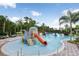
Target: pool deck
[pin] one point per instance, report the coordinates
(4, 41)
(69, 50)
(1, 44)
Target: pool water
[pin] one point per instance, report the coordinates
(15, 48)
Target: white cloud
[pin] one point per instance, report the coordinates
(14, 19)
(6, 5)
(55, 23)
(72, 10)
(65, 12)
(76, 10)
(35, 13)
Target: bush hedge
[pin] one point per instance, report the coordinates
(3, 33)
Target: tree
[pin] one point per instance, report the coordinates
(20, 24)
(69, 18)
(77, 27)
(2, 23)
(29, 22)
(10, 27)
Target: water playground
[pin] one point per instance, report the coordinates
(33, 43)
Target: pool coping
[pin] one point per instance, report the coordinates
(2, 54)
(2, 46)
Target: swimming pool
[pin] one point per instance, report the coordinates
(18, 48)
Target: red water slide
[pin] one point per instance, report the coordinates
(40, 39)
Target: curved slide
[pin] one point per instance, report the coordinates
(40, 39)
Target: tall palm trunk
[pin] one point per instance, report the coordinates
(4, 27)
(15, 29)
(21, 28)
(70, 30)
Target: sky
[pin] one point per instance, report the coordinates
(48, 13)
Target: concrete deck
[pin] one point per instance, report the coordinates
(4, 41)
(69, 50)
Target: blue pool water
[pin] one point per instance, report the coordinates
(18, 48)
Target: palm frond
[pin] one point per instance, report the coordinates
(63, 19)
(61, 22)
(69, 13)
(75, 17)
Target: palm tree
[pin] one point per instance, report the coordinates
(29, 22)
(69, 18)
(27, 19)
(4, 27)
(20, 23)
(2, 21)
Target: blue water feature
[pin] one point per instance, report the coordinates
(54, 43)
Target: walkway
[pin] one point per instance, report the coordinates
(4, 41)
(69, 50)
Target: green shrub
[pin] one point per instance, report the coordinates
(22, 40)
(74, 41)
(3, 33)
(19, 33)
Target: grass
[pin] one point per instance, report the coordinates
(74, 41)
